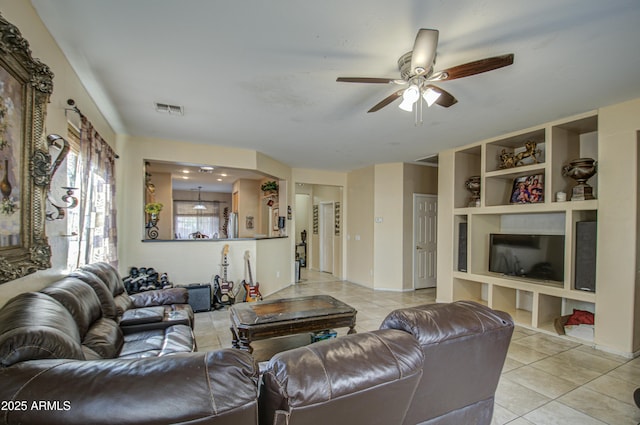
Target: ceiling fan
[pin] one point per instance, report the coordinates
(417, 71)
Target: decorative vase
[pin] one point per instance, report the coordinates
(473, 185)
(5, 186)
(152, 226)
(581, 170)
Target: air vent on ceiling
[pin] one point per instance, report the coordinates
(169, 109)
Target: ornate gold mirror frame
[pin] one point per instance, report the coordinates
(25, 163)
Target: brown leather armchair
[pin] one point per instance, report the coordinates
(360, 379)
(465, 345)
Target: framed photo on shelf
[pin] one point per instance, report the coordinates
(528, 189)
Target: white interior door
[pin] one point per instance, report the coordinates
(325, 231)
(425, 214)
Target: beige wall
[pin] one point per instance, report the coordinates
(388, 226)
(65, 86)
(249, 204)
(617, 302)
(416, 179)
(444, 292)
(395, 184)
(323, 177)
(380, 202)
(360, 234)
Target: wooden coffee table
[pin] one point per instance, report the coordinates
(288, 316)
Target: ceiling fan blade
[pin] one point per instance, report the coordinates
(387, 100)
(365, 80)
(446, 99)
(424, 51)
(473, 68)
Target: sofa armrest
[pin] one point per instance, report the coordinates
(160, 297)
(172, 389)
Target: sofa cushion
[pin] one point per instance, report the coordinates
(123, 303)
(161, 297)
(107, 303)
(35, 326)
(110, 276)
(158, 342)
(79, 298)
(104, 338)
(137, 316)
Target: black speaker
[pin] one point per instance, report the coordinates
(199, 297)
(462, 247)
(586, 245)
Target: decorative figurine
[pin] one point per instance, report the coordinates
(510, 160)
(473, 185)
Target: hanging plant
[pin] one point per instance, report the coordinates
(153, 208)
(270, 186)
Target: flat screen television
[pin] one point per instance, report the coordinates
(528, 256)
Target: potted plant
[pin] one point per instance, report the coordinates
(269, 187)
(153, 208)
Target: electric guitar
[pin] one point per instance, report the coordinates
(223, 287)
(252, 289)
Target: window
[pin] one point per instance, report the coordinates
(92, 224)
(190, 223)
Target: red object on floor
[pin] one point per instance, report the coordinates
(581, 317)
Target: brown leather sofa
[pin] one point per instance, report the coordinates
(146, 310)
(465, 345)
(64, 361)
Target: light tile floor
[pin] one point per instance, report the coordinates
(546, 379)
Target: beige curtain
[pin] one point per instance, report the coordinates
(97, 230)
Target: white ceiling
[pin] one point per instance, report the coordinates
(261, 74)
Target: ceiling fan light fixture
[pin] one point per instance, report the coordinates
(409, 97)
(430, 96)
(406, 105)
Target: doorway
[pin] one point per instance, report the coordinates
(425, 214)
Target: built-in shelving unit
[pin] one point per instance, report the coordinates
(532, 303)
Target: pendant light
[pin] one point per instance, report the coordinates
(199, 205)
